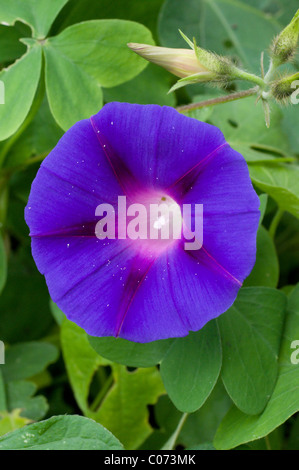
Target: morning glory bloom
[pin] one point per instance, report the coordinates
(143, 288)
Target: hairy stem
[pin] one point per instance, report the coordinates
(250, 77)
(270, 72)
(221, 99)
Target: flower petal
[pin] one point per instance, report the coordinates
(70, 184)
(230, 211)
(114, 287)
(179, 294)
(155, 144)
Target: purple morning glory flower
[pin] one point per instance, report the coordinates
(142, 290)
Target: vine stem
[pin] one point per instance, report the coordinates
(271, 70)
(221, 99)
(170, 444)
(250, 77)
(274, 224)
(102, 393)
(268, 445)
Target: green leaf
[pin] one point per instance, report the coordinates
(243, 125)
(263, 206)
(99, 47)
(266, 269)
(25, 293)
(290, 123)
(191, 367)
(145, 13)
(80, 359)
(238, 428)
(3, 264)
(281, 182)
(202, 114)
(123, 406)
(20, 396)
(61, 433)
(124, 410)
(206, 446)
(223, 26)
(250, 332)
(195, 373)
(20, 84)
(38, 139)
(200, 426)
(129, 353)
(58, 315)
(38, 14)
(24, 360)
(3, 401)
(11, 47)
(85, 57)
(150, 87)
(286, 10)
(11, 421)
(73, 95)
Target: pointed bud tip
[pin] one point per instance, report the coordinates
(136, 46)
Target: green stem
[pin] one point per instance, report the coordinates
(267, 112)
(170, 444)
(221, 99)
(268, 445)
(32, 113)
(250, 77)
(274, 224)
(102, 393)
(270, 72)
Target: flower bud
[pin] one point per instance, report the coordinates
(180, 62)
(284, 45)
(283, 88)
(191, 65)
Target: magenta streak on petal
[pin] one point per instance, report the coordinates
(183, 320)
(135, 278)
(213, 261)
(75, 185)
(93, 272)
(185, 182)
(86, 230)
(123, 175)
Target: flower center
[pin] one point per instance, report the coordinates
(158, 223)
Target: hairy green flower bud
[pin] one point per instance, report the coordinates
(284, 45)
(193, 65)
(283, 88)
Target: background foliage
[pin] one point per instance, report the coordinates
(230, 385)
